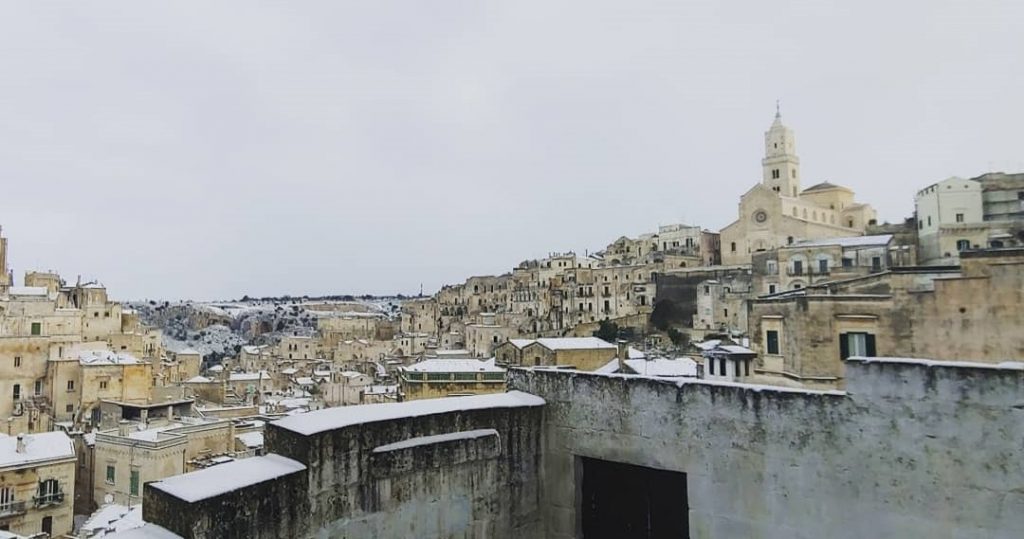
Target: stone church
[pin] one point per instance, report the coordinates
(776, 212)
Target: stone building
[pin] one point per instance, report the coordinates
(958, 214)
(569, 454)
(583, 353)
(483, 336)
(127, 457)
(433, 378)
(816, 261)
(944, 313)
(37, 483)
(776, 212)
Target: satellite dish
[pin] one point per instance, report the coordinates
(109, 498)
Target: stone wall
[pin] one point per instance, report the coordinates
(358, 484)
(910, 449)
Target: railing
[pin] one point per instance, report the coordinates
(11, 508)
(52, 498)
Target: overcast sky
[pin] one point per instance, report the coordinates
(215, 149)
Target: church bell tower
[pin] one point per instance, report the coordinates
(781, 166)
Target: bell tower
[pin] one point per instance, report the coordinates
(781, 166)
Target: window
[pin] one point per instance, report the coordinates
(929, 220)
(823, 266)
(71, 385)
(103, 384)
(847, 262)
(772, 267)
(133, 483)
(49, 492)
(963, 245)
(17, 361)
(707, 290)
(733, 246)
(47, 526)
(69, 408)
(17, 391)
(771, 289)
(746, 368)
(38, 389)
(37, 328)
(775, 174)
(771, 339)
(876, 263)
(7, 499)
(959, 217)
(721, 366)
(798, 267)
(856, 344)
(711, 366)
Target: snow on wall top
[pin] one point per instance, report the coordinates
(224, 478)
(853, 241)
(28, 291)
(435, 439)
(1005, 365)
(683, 366)
(346, 416)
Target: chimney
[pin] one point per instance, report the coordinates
(122, 428)
(623, 354)
(20, 448)
(170, 412)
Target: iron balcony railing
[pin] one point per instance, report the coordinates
(50, 498)
(8, 509)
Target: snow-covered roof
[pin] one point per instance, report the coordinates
(611, 367)
(251, 439)
(106, 357)
(198, 380)
(254, 350)
(454, 365)
(345, 416)
(708, 345)
(289, 371)
(351, 374)
(633, 353)
(112, 518)
(248, 376)
(575, 343)
(683, 366)
(189, 351)
(28, 291)
(147, 531)
(217, 480)
(39, 448)
(520, 343)
(736, 349)
(216, 368)
(304, 381)
(853, 241)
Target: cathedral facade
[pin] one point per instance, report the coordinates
(776, 212)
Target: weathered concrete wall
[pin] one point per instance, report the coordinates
(484, 487)
(479, 486)
(909, 450)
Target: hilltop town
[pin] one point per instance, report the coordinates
(805, 319)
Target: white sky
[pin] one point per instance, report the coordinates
(215, 149)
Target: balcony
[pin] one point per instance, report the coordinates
(48, 499)
(10, 509)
